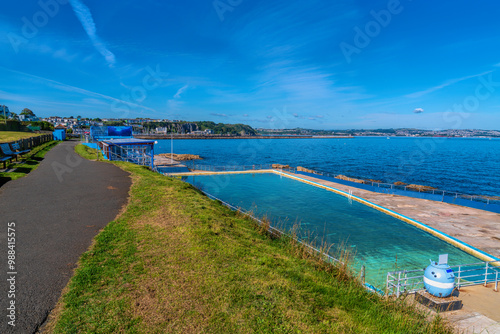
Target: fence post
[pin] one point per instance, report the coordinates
(399, 279)
(459, 272)
(486, 275)
(387, 284)
(406, 280)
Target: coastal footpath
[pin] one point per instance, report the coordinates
(54, 213)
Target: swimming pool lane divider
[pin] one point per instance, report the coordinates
(441, 235)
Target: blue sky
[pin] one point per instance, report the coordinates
(272, 64)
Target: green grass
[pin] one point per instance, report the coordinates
(8, 136)
(88, 153)
(30, 162)
(177, 262)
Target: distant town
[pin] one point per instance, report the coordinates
(147, 126)
(405, 132)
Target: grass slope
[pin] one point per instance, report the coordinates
(178, 262)
(30, 162)
(88, 153)
(8, 136)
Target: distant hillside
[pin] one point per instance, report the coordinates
(221, 128)
(188, 127)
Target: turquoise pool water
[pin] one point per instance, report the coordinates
(379, 241)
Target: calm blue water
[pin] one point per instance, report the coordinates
(464, 165)
(379, 241)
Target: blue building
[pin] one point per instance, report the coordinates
(59, 132)
(137, 151)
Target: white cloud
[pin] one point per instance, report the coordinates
(443, 85)
(218, 114)
(85, 17)
(180, 91)
(72, 89)
(418, 110)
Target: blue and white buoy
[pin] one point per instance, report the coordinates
(439, 279)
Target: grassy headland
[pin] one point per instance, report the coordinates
(177, 262)
(31, 161)
(8, 136)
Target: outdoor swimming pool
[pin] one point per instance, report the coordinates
(379, 241)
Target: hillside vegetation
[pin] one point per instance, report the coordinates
(217, 128)
(177, 262)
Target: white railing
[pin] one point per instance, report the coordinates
(410, 281)
(439, 192)
(137, 157)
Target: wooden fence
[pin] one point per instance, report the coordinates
(29, 143)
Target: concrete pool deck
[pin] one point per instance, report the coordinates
(479, 313)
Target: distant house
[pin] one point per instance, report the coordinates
(28, 118)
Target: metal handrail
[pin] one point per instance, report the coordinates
(485, 272)
(223, 168)
(140, 159)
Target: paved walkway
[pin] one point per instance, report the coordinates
(57, 210)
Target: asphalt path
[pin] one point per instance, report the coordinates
(53, 214)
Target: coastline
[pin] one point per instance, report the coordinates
(161, 136)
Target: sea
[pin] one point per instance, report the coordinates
(463, 165)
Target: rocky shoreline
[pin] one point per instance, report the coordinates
(180, 157)
(418, 187)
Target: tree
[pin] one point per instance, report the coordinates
(27, 112)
